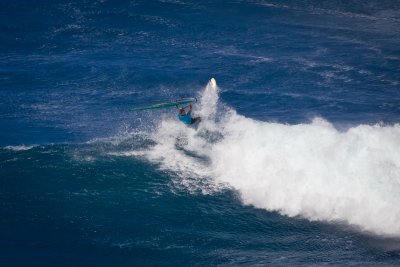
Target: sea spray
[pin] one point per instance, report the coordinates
(208, 101)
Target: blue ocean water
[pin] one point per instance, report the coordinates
(296, 161)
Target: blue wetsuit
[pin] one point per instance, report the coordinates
(186, 119)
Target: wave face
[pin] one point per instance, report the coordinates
(309, 170)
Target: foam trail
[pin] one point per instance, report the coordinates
(309, 170)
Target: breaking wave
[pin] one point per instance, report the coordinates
(309, 170)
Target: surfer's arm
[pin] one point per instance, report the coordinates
(190, 109)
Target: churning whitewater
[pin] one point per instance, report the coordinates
(309, 170)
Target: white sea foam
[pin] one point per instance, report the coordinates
(310, 170)
(19, 148)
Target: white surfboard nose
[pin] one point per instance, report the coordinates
(213, 83)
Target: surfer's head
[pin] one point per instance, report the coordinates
(182, 111)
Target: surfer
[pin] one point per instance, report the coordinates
(186, 117)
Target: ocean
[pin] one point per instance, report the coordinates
(296, 161)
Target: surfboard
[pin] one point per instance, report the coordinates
(168, 104)
(213, 83)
